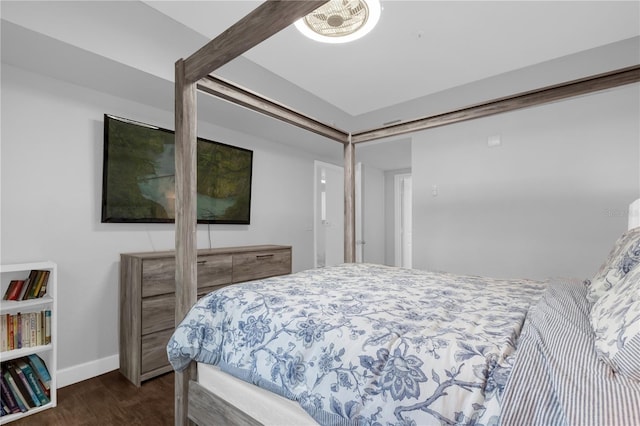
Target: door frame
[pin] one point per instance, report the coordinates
(359, 206)
(399, 204)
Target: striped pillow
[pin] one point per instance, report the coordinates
(615, 318)
(624, 256)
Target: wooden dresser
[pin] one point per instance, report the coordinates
(147, 297)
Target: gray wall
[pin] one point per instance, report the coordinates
(390, 213)
(550, 201)
(374, 213)
(51, 186)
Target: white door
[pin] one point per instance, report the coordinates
(360, 242)
(406, 223)
(328, 224)
(403, 220)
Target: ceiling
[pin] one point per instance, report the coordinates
(424, 57)
(422, 47)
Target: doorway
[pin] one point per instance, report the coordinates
(403, 220)
(328, 222)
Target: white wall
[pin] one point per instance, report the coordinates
(389, 214)
(51, 183)
(549, 202)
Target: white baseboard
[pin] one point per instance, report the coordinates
(77, 373)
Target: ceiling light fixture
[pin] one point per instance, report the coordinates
(340, 21)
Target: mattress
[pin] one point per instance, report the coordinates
(267, 407)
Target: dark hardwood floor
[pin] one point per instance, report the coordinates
(109, 399)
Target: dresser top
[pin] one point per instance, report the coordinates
(211, 251)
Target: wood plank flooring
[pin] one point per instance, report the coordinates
(109, 400)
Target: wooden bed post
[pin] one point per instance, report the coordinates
(186, 245)
(349, 202)
(268, 19)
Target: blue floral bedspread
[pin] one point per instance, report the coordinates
(366, 344)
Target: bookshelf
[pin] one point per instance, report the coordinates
(46, 351)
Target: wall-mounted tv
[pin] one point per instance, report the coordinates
(138, 181)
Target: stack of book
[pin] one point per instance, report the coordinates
(24, 330)
(32, 287)
(25, 384)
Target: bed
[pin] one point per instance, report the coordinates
(364, 344)
(193, 75)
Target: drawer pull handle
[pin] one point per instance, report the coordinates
(201, 262)
(264, 256)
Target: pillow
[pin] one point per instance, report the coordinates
(624, 256)
(615, 319)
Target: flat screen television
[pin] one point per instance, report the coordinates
(138, 181)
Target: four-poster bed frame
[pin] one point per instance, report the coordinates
(193, 74)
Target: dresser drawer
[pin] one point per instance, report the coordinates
(159, 275)
(214, 270)
(159, 312)
(255, 265)
(154, 350)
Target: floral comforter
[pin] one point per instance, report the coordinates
(366, 344)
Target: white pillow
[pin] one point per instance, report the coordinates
(624, 256)
(615, 319)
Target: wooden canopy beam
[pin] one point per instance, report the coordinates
(231, 92)
(510, 103)
(269, 18)
(256, 102)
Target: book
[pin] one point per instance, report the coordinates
(4, 334)
(18, 321)
(36, 282)
(11, 342)
(10, 289)
(14, 290)
(24, 288)
(8, 397)
(16, 336)
(33, 381)
(33, 324)
(40, 327)
(40, 368)
(47, 327)
(26, 330)
(32, 281)
(22, 402)
(43, 288)
(42, 277)
(22, 385)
